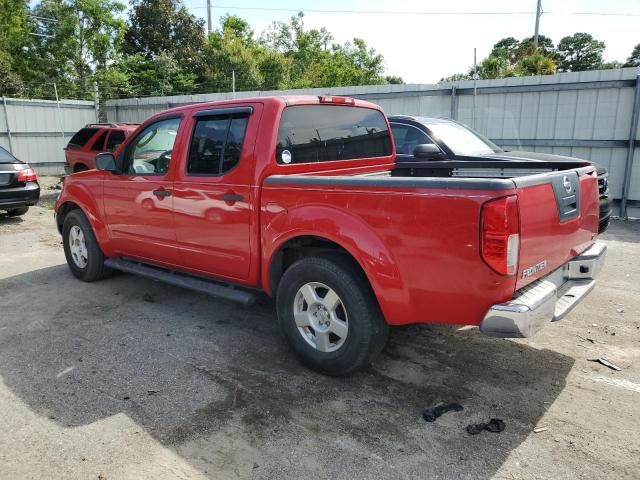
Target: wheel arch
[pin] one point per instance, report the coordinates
(349, 236)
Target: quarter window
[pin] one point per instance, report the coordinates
(82, 137)
(216, 144)
(150, 152)
(324, 133)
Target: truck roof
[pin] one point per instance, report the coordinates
(285, 100)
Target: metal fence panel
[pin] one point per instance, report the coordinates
(37, 130)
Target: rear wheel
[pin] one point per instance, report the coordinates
(16, 212)
(330, 316)
(81, 249)
(80, 167)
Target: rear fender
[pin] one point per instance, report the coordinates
(351, 233)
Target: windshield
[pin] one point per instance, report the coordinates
(6, 157)
(462, 140)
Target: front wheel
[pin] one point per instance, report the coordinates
(81, 249)
(330, 316)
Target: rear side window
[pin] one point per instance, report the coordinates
(324, 133)
(407, 137)
(115, 139)
(82, 137)
(216, 144)
(99, 143)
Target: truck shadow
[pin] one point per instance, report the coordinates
(194, 372)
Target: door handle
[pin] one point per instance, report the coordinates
(232, 197)
(162, 193)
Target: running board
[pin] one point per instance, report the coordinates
(179, 280)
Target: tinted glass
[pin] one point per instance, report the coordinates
(321, 133)
(99, 143)
(462, 140)
(407, 137)
(115, 139)
(216, 145)
(82, 137)
(150, 151)
(6, 156)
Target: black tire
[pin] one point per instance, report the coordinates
(94, 268)
(16, 212)
(367, 329)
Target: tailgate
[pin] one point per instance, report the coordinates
(558, 220)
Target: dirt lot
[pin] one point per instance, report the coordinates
(128, 378)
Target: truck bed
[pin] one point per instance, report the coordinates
(429, 230)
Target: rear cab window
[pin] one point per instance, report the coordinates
(325, 133)
(81, 138)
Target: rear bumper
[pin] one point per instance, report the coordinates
(19, 196)
(548, 299)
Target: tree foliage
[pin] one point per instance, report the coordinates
(580, 52)
(634, 58)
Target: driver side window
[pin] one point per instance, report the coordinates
(407, 137)
(150, 152)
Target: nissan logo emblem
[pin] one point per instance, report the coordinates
(567, 184)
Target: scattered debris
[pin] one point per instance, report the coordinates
(606, 363)
(540, 429)
(152, 392)
(148, 298)
(431, 414)
(620, 310)
(126, 398)
(102, 476)
(586, 339)
(494, 425)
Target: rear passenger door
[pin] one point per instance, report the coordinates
(214, 192)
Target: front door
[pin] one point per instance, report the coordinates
(213, 193)
(138, 202)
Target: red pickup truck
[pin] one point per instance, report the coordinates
(295, 196)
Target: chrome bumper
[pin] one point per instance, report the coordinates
(548, 299)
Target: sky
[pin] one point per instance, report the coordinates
(423, 48)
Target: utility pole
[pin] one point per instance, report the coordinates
(96, 101)
(538, 14)
(209, 28)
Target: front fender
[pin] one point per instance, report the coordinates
(351, 233)
(85, 195)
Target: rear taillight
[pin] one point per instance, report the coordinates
(500, 235)
(27, 175)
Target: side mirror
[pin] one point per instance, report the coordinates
(106, 162)
(428, 151)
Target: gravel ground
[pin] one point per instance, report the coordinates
(129, 378)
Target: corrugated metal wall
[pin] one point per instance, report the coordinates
(37, 130)
(583, 114)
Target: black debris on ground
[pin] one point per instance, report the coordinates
(431, 414)
(494, 425)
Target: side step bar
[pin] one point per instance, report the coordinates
(179, 280)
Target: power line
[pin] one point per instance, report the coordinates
(399, 12)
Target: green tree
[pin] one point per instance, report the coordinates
(536, 64)
(580, 52)
(317, 62)
(634, 58)
(14, 38)
(81, 40)
(495, 67)
(166, 26)
(394, 80)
